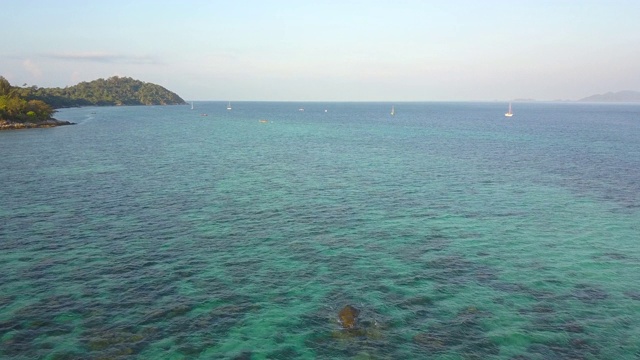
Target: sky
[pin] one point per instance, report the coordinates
(342, 50)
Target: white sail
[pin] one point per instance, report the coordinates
(509, 113)
(393, 110)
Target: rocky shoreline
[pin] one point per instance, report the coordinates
(11, 125)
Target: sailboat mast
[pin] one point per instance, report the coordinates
(509, 113)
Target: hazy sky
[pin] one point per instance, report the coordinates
(370, 50)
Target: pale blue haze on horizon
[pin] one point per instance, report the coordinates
(330, 50)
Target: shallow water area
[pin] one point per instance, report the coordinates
(155, 232)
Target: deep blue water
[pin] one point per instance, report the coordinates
(156, 232)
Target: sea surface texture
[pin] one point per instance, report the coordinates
(456, 233)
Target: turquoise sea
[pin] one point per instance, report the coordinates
(159, 233)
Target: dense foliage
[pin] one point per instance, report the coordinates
(112, 91)
(25, 106)
(15, 107)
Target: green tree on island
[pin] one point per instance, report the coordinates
(13, 107)
(5, 87)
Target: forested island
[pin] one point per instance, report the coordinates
(27, 107)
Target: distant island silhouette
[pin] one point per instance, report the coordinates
(620, 96)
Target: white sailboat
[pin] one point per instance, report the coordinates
(393, 110)
(229, 106)
(192, 105)
(509, 113)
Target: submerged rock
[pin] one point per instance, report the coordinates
(348, 316)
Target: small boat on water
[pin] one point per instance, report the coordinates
(509, 113)
(229, 106)
(393, 111)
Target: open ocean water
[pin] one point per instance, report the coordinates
(158, 233)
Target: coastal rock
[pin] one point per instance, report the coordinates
(348, 316)
(10, 125)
